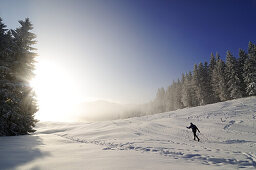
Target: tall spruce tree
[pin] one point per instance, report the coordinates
(193, 90)
(8, 92)
(202, 84)
(25, 55)
(18, 103)
(250, 70)
(241, 65)
(169, 99)
(209, 97)
(4, 76)
(184, 96)
(196, 86)
(160, 100)
(212, 63)
(187, 91)
(219, 80)
(179, 104)
(176, 95)
(214, 97)
(6, 45)
(232, 76)
(173, 95)
(2, 38)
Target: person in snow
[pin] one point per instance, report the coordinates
(194, 129)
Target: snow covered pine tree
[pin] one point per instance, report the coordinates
(17, 99)
(250, 70)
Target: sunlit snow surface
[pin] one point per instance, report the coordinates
(160, 141)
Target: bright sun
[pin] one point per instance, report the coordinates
(56, 92)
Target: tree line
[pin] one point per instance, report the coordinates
(17, 99)
(211, 83)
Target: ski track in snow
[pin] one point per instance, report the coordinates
(228, 138)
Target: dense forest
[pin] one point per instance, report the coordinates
(210, 83)
(17, 99)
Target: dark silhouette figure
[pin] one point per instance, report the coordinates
(194, 128)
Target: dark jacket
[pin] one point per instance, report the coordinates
(193, 127)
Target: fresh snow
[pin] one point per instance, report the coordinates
(160, 141)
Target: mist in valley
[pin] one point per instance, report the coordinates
(101, 110)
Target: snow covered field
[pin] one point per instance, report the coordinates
(160, 141)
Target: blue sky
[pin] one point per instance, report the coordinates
(123, 51)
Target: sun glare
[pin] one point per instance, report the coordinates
(56, 92)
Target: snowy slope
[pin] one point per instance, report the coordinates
(160, 141)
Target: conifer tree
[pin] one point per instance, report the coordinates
(4, 73)
(173, 95)
(184, 96)
(232, 76)
(179, 104)
(211, 67)
(193, 90)
(202, 86)
(209, 97)
(2, 36)
(187, 91)
(196, 86)
(250, 70)
(176, 103)
(17, 99)
(25, 55)
(5, 45)
(241, 62)
(212, 63)
(219, 81)
(169, 99)
(160, 100)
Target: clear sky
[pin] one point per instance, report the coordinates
(123, 51)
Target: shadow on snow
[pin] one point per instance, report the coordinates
(18, 150)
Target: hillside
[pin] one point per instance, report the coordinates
(228, 141)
